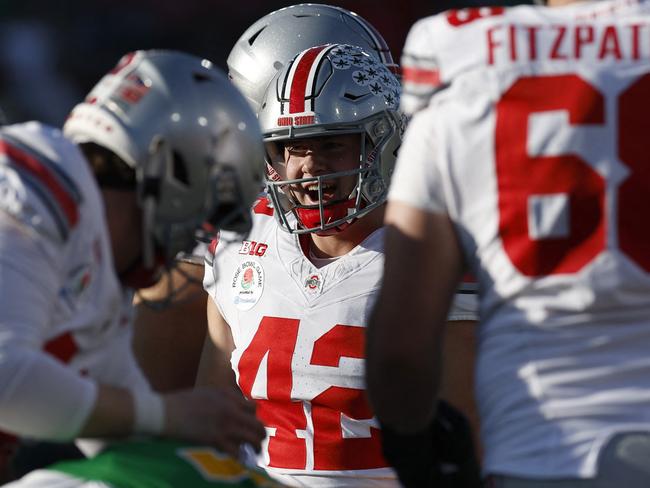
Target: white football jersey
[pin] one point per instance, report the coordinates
(299, 334)
(535, 145)
(58, 289)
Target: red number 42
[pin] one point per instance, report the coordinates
(568, 174)
(276, 339)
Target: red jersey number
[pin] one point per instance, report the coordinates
(633, 106)
(569, 175)
(276, 339)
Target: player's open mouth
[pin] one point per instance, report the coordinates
(310, 191)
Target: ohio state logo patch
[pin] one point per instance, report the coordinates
(314, 283)
(247, 284)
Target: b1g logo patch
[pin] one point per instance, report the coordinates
(247, 284)
(253, 248)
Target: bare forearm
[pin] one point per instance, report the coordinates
(457, 381)
(167, 342)
(112, 414)
(44, 399)
(406, 328)
(404, 350)
(402, 373)
(214, 367)
(40, 397)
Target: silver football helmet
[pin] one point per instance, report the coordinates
(334, 89)
(191, 138)
(271, 42)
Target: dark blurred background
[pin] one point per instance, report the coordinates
(52, 53)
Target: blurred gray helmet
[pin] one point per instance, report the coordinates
(329, 90)
(192, 139)
(271, 42)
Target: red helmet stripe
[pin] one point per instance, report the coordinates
(299, 83)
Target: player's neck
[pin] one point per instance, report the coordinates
(343, 242)
(124, 227)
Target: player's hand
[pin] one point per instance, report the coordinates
(442, 456)
(220, 417)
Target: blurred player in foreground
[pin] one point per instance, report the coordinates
(532, 169)
(166, 148)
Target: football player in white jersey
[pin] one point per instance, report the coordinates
(165, 147)
(529, 165)
(168, 341)
(290, 302)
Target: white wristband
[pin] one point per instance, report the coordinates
(148, 411)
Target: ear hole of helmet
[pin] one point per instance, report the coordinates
(179, 169)
(110, 170)
(251, 39)
(274, 152)
(354, 97)
(229, 213)
(200, 77)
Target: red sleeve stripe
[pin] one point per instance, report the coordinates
(421, 76)
(63, 347)
(212, 248)
(263, 206)
(37, 169)
(61, 176)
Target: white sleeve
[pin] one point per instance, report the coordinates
(416, 179)
(211, 275)
(209, 279)
(419, 63)
(39, 396)
(216, 261)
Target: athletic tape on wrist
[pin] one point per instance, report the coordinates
(149, 412)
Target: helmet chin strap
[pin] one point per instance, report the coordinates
(173, 291)
(335, 230)
(137, 275)
(315, 218)
(149, 185)
(148, 213)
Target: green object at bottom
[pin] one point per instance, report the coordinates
(164, 464)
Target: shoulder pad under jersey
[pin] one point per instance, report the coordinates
(35, 186)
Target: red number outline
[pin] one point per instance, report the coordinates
(276, 339)
(570, 175)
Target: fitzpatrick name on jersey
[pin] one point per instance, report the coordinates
(435, 53)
